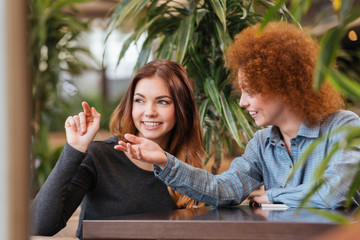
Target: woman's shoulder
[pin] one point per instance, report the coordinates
(342, 117)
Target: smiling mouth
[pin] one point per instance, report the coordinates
(152, 124)
(253, 114)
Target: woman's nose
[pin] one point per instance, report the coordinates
(150, 111)
(243, 101)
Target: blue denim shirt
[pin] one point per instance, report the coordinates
(267, 162)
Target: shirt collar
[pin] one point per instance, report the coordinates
(305, 130)
(312, 131)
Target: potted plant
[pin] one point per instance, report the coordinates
(51, 52)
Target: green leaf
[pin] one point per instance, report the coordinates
(320, 170)
(241, 119)
(143, 56)
(329, 215)
(301, 161)
(125, 47)
(185, 32)
(197, 62)
(203, 111)
(328, 50)
(126, 7)
(60, 4)
(345, 85)
(166, 47)
(223, 37)
(299, 8)
(353, 188)
(345, 9)
(144, 27)
(229, 120)
(312, 191)
(213, 93)
(207, 142)
(219, 7)
(271, 13)
(200, 14)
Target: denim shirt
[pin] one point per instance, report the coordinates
(267, 162)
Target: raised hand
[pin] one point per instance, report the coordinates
(143, 150)
(82, 128)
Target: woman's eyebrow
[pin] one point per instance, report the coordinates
(139, 94)
(158, 97)
(163, 96)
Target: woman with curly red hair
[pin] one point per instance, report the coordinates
(274, 69)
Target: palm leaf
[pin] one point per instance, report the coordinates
(354, 188)
(229, 120)
(219, 7)
(126, 7)
(329, 215)
(213, 94)
(345, 85)
(241, 119)
(329, 46)
(185, 32)
(271, 13)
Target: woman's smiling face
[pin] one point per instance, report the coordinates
(153, 110)
(265, 110)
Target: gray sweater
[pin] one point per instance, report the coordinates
(106, 182)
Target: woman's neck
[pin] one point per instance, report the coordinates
(289, 127)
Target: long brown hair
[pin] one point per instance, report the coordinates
(186, 138)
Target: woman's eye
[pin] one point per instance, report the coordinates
(138, 100)
(163, 102)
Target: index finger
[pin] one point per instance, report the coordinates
(86, 108)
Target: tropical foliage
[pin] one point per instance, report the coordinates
(196, 34)
(52, 53)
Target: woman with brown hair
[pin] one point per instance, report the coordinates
(274, 69)
(159, 105)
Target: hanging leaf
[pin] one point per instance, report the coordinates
(271, 13)
(229, 120)
(328, 48)
(213, 93)
(185, 32)
(241, 119)
(219, 7)
(345, 85)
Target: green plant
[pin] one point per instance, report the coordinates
(51, 52)
(342, 79)
(196, 34)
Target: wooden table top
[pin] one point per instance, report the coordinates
(241, 222)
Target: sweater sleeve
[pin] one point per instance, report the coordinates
(59, 197)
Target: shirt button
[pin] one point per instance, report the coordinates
(281, 186)
(272, 141)
(290, 166)
(293, 144)
(282, 145)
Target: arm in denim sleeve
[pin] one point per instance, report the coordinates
(228, 188)
(339, 175)
(332, 193)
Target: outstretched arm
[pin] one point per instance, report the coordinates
(228, 188)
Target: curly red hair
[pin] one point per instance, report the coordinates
(280, 61)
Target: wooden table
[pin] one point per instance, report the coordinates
(240, 222)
